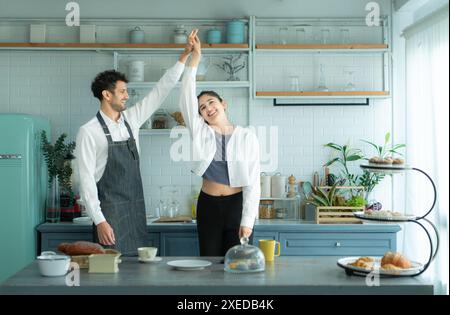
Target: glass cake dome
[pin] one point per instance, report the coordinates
(244, 258)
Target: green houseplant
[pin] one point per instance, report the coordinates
(58, 157)
(367, 179)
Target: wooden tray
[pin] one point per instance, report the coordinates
(181, 218)
(337, 215)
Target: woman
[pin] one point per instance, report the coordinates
(227, 157)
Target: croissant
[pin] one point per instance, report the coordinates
(390, 267)
(363, 262)
(395, 259)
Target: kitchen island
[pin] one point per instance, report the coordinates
(287, 275)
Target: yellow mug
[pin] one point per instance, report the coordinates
(268, 249)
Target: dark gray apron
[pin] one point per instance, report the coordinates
(121, 194)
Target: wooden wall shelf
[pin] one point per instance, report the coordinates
(317, 93)
(117, 45)
(320, 46)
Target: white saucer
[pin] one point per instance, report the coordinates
(156, 259)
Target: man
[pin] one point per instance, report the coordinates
(108, 158)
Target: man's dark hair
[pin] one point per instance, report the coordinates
(209, 93)
(106, 80)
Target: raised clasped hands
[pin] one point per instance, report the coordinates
(193, 46)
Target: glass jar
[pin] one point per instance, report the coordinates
(281, 213)
(160, 119)
(266, 209)
(180, 35)
(244, 258)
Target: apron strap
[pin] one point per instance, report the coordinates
(105, 128)
(129, 128)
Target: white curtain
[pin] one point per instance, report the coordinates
(427, 138)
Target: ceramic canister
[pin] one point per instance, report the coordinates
(136, 71)
(137, 35)
(278, 186)
(235, 32)
(214, 37)
(265, 185)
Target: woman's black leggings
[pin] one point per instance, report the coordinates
(218, 222)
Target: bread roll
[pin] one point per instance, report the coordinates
(395, 259)
(81, 248)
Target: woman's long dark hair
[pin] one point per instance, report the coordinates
(210, 93)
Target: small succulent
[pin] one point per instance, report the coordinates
(320, 198)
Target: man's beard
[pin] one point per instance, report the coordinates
(118, 108)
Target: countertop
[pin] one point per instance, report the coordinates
(287, 275)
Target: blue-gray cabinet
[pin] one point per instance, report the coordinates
(336, 244)
(179, 244)
(296, 239)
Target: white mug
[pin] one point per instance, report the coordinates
(147, 253)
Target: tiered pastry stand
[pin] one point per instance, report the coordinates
(394, 169)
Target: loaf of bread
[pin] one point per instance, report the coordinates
(395, 259)
(81, 248)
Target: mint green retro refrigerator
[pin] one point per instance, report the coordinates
(23, 184)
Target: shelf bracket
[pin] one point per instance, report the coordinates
(366, 103)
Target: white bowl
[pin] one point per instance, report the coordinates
(52, 265)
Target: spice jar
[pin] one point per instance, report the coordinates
(160, 119)
(281, 213)
(266, 209)
(180, 35)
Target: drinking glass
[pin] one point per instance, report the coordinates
(300, 35)
(345, 36)
(283, 35)
(325, 36)
(322, 85)
(294, 84)
(350, 85)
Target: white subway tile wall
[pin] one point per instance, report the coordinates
(56, 85)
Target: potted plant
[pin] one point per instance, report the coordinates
(58, 158)
(231, 65)
(367, 179)
(386, 155)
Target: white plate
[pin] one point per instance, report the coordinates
(187, 264)
(83, 220)
(372, 218)
(386, 168)
(156, 259)
(344, 263)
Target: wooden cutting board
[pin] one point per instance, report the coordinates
(180, 218)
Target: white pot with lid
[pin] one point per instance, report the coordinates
(53, 265)
(136, 71)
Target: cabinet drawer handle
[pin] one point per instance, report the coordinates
(338, 244)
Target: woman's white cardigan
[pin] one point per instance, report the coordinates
(242, 150)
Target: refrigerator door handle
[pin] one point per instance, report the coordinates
(10, 156)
